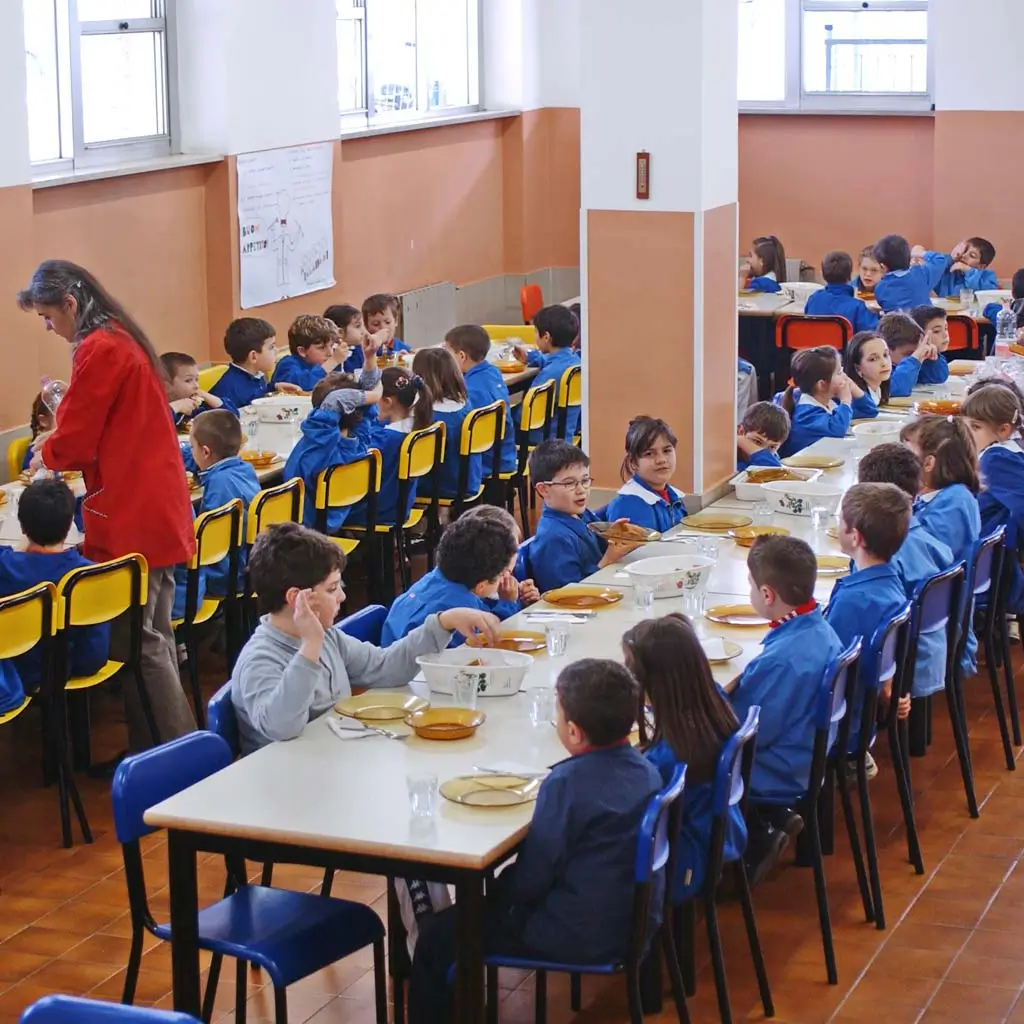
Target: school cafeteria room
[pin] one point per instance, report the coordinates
(511, 511)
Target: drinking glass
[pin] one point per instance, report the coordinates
(557, 639)
(251, 423)
(693, 603)
(542, 705)
(966, 299)
(819, 518)
(422, 790)
(643, 599)
(763, 514)
(464, 690)
(708, 547)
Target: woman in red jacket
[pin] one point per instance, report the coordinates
(114, 426)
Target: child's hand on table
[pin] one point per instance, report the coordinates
(617, 549)
(288, 389)
(528, 592)
(469, 622)
(521, 352)
(308, 625)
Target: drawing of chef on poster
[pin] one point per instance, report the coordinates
(284, 223)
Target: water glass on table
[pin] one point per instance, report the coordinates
(422, 790)
(643, 599)
(542, 705)
(762, 514)
(464, 690)
(556, 637)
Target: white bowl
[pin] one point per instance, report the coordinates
(278, 408)
(498, 673)
(796, 499)
(983, 298)
(801, 291)
(670, 575)
(878, 432)
(746, 491)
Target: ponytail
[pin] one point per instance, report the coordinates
(411, 392)
(422, 404)
(788, 401)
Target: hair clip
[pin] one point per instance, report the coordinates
(791, 383)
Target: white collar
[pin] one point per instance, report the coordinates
(876, 396)
(401, 426)
(770, 276)
(1012, 445)
(448, 405)
(927, 497)
(637, 490)
(811, 400)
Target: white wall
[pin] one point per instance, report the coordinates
(14, 162)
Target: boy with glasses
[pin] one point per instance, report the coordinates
(563, 549)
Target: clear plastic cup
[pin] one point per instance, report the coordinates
(556, 637)
(643, 599)
(542, 705)
(464, 690)
(422, 790)
(763, 514)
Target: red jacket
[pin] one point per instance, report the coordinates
(114, 426)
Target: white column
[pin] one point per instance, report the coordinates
(14, 157)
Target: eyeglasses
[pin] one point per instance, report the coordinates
(571, 485)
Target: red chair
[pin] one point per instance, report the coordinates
(796, 331)
(531, 299)
(964, 335)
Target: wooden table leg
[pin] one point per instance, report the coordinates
(181, 858)
(469, 955)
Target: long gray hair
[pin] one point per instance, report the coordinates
(56, 280)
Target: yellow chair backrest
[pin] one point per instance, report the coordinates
(209, 375)
(511, 332)
(570, 388)
(100, 593)
(217, 532)
(421, 451)
(16, 456)
(26, 618)
(536, 407)
(280, 504)
(344, 486)
(482, 429)
(281, 353)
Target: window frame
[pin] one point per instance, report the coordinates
(799, 101)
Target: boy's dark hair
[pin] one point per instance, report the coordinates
(382, 302)
(560, 323)
(307, 330)
(1017, 284)
(869, 251)
(891, 464)
(785, 564)
(471, 339)
(924, 315)
(46, 511)
(173, 361)
(600, 697)
(220, 431)
(893, 252)
(641, 434)
(341, 316)
(986, 250)
(337, 382)
(246, 334)
(551, 457)
(949, 442)
(837, 267)
(768, 419)
(881, 514)
(900, 331)
(476, 550)
(288, 555)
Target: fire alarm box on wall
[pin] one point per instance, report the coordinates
(643, 175)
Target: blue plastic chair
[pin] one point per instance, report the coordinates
(289, 934)
(73, 1010)
(365, 624)
(220, 718)
(729, 789)
(524, 568)
(652, 858)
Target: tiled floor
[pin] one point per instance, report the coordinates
(952, 950)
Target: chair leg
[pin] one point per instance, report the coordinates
(524, 512)
(997, 700)
(281, 1005)
(868, 821)
(633, 994)
(749, 922)
(212, 980)
(826, 811)
(131, 975)
(380, 982)
(1011, 689)
(66, 788)
(78, 730)
(328, 882)
(851, 832)
(717, 958)
(821, 893)
(193, 677)
(675, 975)
(576, 991)
(961, 740)
(404, 569)
(492, 995)
(398, 952)
(241, 991)
(267, 875)
(540, 998)
(899, 769)
(685, 924)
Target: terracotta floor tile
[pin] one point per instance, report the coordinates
(14, 967)
(152, 985)
(971, 1002)
(72, 977)
(33, 939)
(935, 909)
(929, 936)
(971, 969)
(1000, 945)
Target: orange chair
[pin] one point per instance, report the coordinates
(796, 332)
(963, 334)
(531, 299)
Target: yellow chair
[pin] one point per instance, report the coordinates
(570, 396)
(218, 536)
(209, 375)
(483, 430)
(537, 412)
(345, 486)
(16, 456)
(511, 332)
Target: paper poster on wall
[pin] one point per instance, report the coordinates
(286, 238)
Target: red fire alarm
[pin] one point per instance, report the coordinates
(643, 175)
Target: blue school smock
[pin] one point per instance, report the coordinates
(322, 445)
(485, 386)
(552, 367)
(811, 421)
(1001, 503)
(910, 372)
(905, 289)
(293, 369)
(920, 556)
(431, 595)
(866, 407)
(237, 388)
(993, 309)
(563, 550)
(644, 506)
(765, 283)
(12, 693)
(89, 645)
(355, 357)
(387, 438)
(978, 279)
(764, 458)
(695, 823)
(859, 604)
(453, 414)
(784, 680)
(934, 371)
(839, 300)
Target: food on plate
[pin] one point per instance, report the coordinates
(768, 474)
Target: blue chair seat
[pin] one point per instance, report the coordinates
(289, 934)
(555, 966)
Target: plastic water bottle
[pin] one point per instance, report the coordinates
(52, 393)
(1006, 324)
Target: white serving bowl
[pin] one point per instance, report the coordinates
(878, 432)
(498, 673)
(797, 499)
(279, 408)
(801, 291)
(670, 575)
(747, 491)
(983, 298)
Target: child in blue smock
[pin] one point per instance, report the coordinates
(909, 350)
(969, 267)
(475, 559)
(182, 388)
(868, 365)
(765, 268)
(783, 680)
(469, 345)
(760, 435)
(992, 309)
(46, 510)
(869, 273)
(837, 298)
(569, 895)
(379, 317)
(993, 416)
(250, 343)
(904, 286)
(443, 377)
(874, 520)
(315, 350)
(557, 329)
(684, 718)
(334, 433)
(563, 550)
(215, 441)
(646, 497)
(822, 407)
(933, 322)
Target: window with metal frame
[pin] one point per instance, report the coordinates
(402, 60)
(842, 56)
(97, 77)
